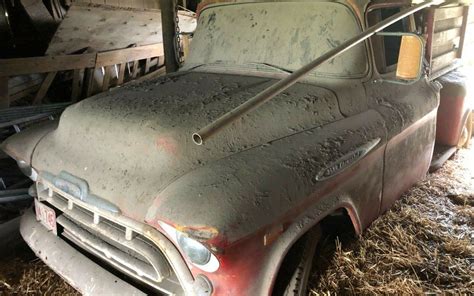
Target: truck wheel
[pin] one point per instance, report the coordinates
(292, 279)
(466, 133)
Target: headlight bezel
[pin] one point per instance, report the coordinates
(211, 265)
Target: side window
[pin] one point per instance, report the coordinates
(386, 48)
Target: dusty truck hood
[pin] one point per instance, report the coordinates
(131, 143)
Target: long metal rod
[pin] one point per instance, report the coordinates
(211, 129)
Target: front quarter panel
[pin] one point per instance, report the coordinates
(21, 146)
(250, 207)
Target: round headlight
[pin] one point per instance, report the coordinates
(195, 251)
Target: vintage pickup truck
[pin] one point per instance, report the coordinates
(323, 108)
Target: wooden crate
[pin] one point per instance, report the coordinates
(446, 35)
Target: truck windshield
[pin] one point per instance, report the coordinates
(279, 36)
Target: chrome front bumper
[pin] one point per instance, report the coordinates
(137, 250)
(79, 271)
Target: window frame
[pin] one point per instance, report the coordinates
(377, 42)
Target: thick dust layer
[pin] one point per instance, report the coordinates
(424, 244)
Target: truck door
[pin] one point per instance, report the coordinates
(409, 110)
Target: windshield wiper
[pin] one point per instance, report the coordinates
(205, 64)
(271, 66)
(249, 63)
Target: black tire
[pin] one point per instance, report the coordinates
(292, 279)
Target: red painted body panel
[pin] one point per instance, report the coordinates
(450, 119)
(260, 262)
(452, 109)
(409, 155)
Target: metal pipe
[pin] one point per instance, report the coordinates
(211, 129)
(15, 195)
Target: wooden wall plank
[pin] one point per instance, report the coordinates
(446, 36)
(443, 61)
(447, 24)
(44, 88)
(446, 47)
(21, 66)
(448, 12)
(129, 54)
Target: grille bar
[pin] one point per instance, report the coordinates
(150, 254)
(122, 247)
(107, 252)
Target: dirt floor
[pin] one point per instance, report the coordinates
(425, 244)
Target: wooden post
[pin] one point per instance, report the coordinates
(76, 85)
(463, 30)
(147, 65)
(106, 81)
(44, 88)
(89, 81)
(121, 73)
(135, 69)
(429, 38)
(168, 16)
(4, 99)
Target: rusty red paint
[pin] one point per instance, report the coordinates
(167, 144)
(449, 122)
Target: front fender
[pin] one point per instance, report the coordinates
(235, 196)
(256, 203)
(21, 146)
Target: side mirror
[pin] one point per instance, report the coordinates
(410, 58)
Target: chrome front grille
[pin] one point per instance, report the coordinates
(121, 246)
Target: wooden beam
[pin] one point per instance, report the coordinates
(44, 88)
(447, 24)
(444, 60)
(446, 36)
(110, 58)
(4, 99)
(446, 48)
(21, 66)
(24, 93)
